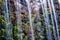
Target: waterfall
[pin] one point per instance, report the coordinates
(52, 19)
(36, 4)
(46, 18)
(48, 29)
(30, 19)
(55, 21)
(59, 2)
(8, 27)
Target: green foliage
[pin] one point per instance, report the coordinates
(2, 19)
(1, 1)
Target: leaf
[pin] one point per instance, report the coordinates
(42, 37)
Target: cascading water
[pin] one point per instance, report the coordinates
(31, 26)
(59, 2)
(47, 21)
(8, 29)
(52, 18)
(48, 30)
(49, 35)
(55, 21)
